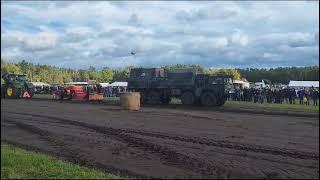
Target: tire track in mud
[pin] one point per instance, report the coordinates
(167, 155)
(94, 142)
(65, 151)
(203, 141)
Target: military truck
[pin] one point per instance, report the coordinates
(157, 86)
(15, 86)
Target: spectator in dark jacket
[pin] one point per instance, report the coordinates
(301, 95)
(315, 96)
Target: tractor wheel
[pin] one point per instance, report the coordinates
(31, 92)
(12, 92)
(187, 98)
(3, 92)
(153, 97)
(208, 99)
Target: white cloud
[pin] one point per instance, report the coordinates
(80, 34)
(40, 41)
(294, 39)
(239, 39)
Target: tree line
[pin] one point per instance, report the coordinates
(52, 74)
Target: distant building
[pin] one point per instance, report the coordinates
(303, 84)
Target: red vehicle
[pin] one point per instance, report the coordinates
(82, 92)
(75, 92)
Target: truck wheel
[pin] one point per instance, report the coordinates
(187, 98)
(12, 92)
(166, 100)
(208, 99)
(153, 97)
(142, 97)
(221, 101)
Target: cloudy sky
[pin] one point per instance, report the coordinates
(212, 34)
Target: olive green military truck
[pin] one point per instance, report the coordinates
(158, 86)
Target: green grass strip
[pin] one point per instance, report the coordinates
(17, 163)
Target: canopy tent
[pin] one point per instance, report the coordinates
(104, 84)
(40, 84)
(241, 83)
(117, 83)
(302, 84)
(76, 83)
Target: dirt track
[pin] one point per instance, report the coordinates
(166, 143)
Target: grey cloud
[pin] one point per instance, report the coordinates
(189, 32)
(78, 34)
(119, 4)
(133, 19)
(62, 4)
(211, 13)
(293, 39)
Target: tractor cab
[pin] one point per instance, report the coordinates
(22, 78)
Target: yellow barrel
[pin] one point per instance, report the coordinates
(130, 101)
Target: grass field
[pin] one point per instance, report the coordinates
(273, 106)
(17, 163)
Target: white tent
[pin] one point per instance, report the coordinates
(259, 84)
(104, 84)
(40, 84)
(241, 83)
(76, 83)
(302, 84)
(118, 84)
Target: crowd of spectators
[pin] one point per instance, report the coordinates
(275, 95)
(111, 91)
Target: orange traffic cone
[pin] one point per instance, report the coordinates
(26, 95)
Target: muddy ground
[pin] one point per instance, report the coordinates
(166, 142)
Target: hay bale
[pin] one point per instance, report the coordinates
(130, 101)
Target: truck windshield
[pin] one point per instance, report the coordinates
(227, 80)
(216, 80)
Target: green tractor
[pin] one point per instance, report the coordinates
(16, 86)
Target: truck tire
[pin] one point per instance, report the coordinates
(143, 98)
(12, 92)
(208, 99)
(188, 98)
(166, 100)
(153, 97)
(221, 101)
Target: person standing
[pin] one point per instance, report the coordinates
(315, 96)
(301, 96)
(307, 97)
